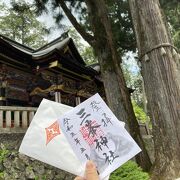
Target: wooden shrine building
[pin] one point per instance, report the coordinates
(55, 71)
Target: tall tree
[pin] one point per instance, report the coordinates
(20, 24)
(101, 39)
(160, 63)
(172, 11)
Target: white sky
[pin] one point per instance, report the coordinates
(48, 20)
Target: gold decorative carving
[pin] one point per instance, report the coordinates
(83, 93)
(69, 86)
(2, 98)
(54, 64)
(66, 49)
(38, 90)
(61, 87)
(87, 89)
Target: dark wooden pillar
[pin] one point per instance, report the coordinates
(2, 96)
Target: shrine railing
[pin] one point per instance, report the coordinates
(14, 119)
(17, 119)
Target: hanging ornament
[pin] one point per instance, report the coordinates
(174, 52)
(139, 64)
(146, 58)
(178, 55)
(163, 52)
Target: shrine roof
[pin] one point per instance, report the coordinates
(16, 45)
(60, 50)
(41, 53)
(50, 47)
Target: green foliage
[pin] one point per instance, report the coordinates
(3, 153)
(85, 50)
(42, 178)
(88, 55)
(1, 175)
(19, 23)
(172, 11)
(129, 171)
(139, 113)
(133, 78)
(118, 12)
(176, 39)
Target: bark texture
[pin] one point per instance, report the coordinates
(115, 87)
(162, 85)
(116, 91)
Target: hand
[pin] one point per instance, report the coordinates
(90, 173)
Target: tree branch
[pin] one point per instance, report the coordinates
(86, 36)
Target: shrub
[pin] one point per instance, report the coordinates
(129, 171)
(139, 113)
(3, 153)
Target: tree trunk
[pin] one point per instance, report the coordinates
(162, 85)
(117, 93)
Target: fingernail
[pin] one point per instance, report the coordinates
(89, 164)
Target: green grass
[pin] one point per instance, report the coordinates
(129, 171)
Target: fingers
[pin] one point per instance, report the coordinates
(78, 178)
(91, 172)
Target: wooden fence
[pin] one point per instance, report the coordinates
(16, 117)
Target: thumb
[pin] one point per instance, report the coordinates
(91, 172)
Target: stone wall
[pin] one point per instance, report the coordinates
(17, 166)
